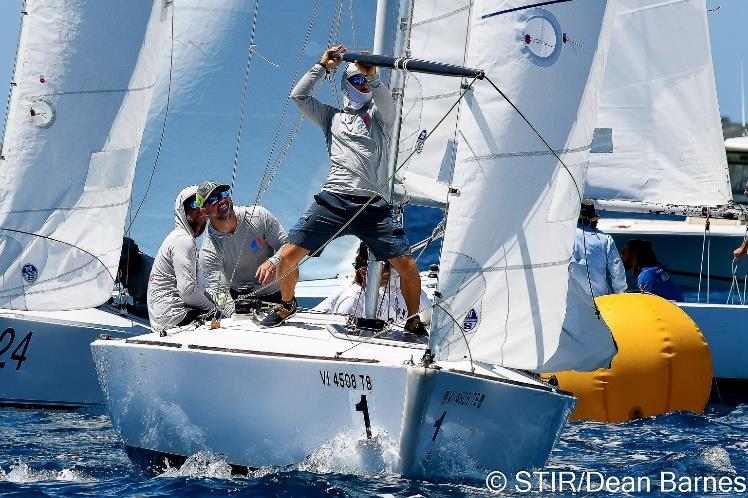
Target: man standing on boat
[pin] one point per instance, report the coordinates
(175, 291)
(239, 255)
(595, 260)
(357, 187)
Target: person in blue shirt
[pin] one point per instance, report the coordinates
(595, 262)
(639, 257)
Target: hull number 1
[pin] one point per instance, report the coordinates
(344, 380)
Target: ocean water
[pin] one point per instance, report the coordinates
(61, 454)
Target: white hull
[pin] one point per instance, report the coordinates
(57, 371)
(273, 397)
(678, 245)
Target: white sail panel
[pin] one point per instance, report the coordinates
(510, 229)
(84, 80)
(439, 33)
(659, 103)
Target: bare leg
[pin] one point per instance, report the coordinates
(290, 257)
(410, 282)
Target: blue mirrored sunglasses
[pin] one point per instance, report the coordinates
(192, 202)
(357, 79)
(216, 197)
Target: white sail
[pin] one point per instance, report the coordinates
(438, 32)
(659, 130)
(207, 64)
(83, 84)
(510, 228)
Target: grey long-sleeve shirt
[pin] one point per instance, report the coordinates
(231, 260)
(175, 285)
(357, 140)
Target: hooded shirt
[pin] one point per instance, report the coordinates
(176, 282)
(357, 135)
(597, 251)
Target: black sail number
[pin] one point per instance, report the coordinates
(19, 353)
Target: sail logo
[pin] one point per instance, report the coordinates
(29, 273)
(470, 321)
(420, 140)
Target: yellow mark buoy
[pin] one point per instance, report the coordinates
(663, 363)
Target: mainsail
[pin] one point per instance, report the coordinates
(510, 229)
(83, 83)
(659, 134)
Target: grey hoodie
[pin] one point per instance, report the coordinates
(175, 285)
(357, 150)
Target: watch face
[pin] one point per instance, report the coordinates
(41, 113)
(542, 37)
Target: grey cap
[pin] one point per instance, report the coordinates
(205, 189)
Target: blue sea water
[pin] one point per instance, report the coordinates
(61, 454)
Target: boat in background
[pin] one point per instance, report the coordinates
(659, 149)
(457, 403)
(81, 90)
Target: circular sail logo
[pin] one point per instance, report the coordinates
(29, 273)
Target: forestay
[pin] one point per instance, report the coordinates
(438, 32)
(659, 128)
(510, 228)
(84, 80)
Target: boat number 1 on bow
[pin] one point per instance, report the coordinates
(19, 353)
(345, 380)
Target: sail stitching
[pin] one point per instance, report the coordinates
(532, 153)
(512, 267)
(443, 16)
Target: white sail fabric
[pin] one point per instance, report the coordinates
(84, 79)
(510, 229)
(659, 106)
(207, 64)
(439, 33)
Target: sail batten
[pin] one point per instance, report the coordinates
(503, 276)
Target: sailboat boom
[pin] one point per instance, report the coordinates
(413, 65)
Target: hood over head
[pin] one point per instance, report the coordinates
(353, 100)
(180, 217)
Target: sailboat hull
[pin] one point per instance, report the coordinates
(46, 357)
(261, 407)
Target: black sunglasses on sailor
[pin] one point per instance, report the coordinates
(357, 79)
(213, 199)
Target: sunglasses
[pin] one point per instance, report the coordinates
(191, 202)
(213, 199)
(357, 79)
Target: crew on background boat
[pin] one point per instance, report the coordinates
(638, 256)
(356, 186)
(595, 252)
(133, 272)
(240, 253)
(349, 299)
(176, 295)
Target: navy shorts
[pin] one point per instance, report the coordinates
(377, 226)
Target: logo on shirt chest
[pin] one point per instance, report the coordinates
(361, 124)
(257, 243)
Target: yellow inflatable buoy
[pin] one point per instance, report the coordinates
(663, 363)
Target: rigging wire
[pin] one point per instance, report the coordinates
(162, 134)
(245, 87)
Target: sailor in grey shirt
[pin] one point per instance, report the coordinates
(240, 253)
(175, 288)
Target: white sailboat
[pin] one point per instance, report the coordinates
(81, 90)
(659, 149)
(273, 396)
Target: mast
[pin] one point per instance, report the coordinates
(388, 29)
(742, 96)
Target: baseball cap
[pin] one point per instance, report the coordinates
(204, 190)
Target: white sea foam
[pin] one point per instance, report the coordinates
(203, 464)
(349, 453)
(22, 473)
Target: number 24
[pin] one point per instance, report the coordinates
(22, 346)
